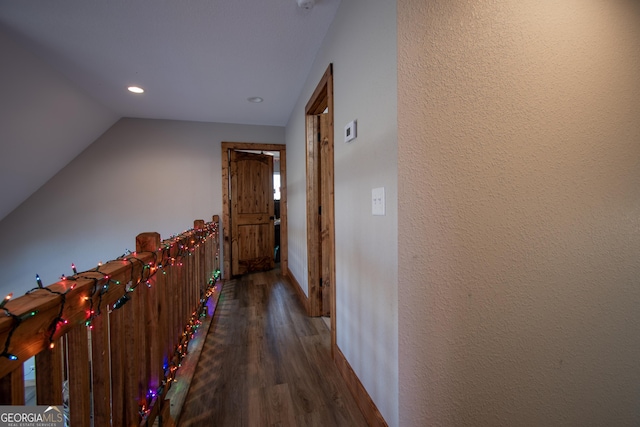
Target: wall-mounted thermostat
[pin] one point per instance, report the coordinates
(350, 131)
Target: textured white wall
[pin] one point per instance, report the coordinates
(141, 175)
(519, 219)
(362, 46)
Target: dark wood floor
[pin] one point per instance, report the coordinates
(265, 363)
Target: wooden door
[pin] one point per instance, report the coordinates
(252, 228)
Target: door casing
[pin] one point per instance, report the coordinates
(320, 194)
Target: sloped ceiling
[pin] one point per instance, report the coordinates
(70, 62)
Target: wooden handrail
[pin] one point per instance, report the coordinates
(114, 334)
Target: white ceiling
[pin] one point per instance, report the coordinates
(67, 64)
(197, 59)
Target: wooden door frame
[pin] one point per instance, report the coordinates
(226, 206)
(321, 99)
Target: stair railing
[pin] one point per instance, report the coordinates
(107, 342)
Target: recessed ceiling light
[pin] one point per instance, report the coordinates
(135, 89)
(255, 99)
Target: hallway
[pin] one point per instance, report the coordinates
(266, 363)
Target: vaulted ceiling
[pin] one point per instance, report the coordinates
(197, 60)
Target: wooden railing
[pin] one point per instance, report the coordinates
(108, 341)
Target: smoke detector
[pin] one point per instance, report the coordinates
(306, 4)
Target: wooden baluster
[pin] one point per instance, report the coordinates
(160, 344)
(164, 315)
(147, 320)
(192, 282)
(184, 289)
(172, 306)
(154, 349)
(186, 285)
(117, 328)
(79, 389)
(140, 347)
(101, 369)
(134, 356)
(202, 269)
(49, 376)
(179, 290)
(199, 280)
(12, 387)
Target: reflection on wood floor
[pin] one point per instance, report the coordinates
(265, 363)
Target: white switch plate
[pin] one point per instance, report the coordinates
(377, 201)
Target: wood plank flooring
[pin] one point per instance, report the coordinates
(265, 363)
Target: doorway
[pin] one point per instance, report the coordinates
(320, 202)
(248, 236)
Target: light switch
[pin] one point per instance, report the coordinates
(377, 201)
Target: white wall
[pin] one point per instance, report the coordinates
(362, 46)
(141, 175)
(45, 121)
(519, 220)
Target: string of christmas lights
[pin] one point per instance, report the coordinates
(17, 320)
(199, 236)
(170, 369)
